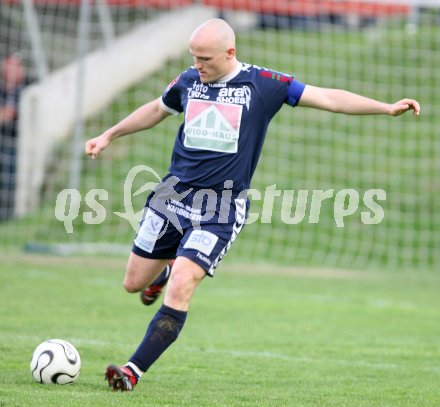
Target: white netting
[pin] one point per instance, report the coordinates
(385, 51)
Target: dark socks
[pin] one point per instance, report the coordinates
(163, 330)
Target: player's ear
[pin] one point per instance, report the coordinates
(230, 53)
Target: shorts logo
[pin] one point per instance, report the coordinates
(212, 126)
(149, 231)
(202, 241)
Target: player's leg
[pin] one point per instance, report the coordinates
(163, 329)
(166, 325)
(154, 246)
(141, 271)
(198, 254)
(186, 277)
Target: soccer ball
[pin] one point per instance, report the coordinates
(55, 361)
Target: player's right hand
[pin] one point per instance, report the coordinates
(95, 145)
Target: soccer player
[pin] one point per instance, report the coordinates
(200, 207)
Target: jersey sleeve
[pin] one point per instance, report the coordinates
(171, 97)
(294, 92)
(279, 88)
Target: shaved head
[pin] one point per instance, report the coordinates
(214, 33)
(212, 45)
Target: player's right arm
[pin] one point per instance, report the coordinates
(145, 117)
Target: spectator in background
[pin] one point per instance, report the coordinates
(13, 80)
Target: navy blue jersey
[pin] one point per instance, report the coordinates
(225, 123)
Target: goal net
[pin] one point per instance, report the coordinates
(330, 190)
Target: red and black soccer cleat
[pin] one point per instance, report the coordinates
(153, 291)
(120, 378)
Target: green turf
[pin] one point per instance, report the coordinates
(255, 336)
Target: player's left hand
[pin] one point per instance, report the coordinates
(403, 106)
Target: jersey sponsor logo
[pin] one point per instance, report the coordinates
(237, 96)
(212, 126)
(202, 241)
(198, 91)
(186, 211)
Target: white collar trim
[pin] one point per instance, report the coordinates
(231, 75)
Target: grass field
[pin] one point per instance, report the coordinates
(255, 336)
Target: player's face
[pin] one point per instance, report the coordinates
(211, 63)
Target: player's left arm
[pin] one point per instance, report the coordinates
(342, 101)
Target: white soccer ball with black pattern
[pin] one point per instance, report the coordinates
(55, 361)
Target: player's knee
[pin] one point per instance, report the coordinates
(178, 294)
(181, 286)
(131, 283)
(186, 277)
(130, 286)
(133, 279)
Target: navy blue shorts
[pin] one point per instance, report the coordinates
(199, 224)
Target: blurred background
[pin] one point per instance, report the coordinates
(73, 68)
